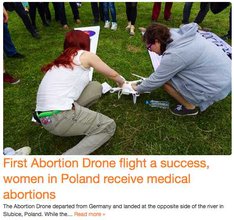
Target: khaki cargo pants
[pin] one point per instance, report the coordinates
(96, 127)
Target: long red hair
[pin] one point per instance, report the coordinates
(74, 40)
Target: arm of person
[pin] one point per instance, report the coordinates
(89, 59)
(134, 86)
(170, 65)
(5, 15)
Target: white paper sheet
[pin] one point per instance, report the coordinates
(93, 32)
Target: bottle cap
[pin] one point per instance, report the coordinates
(147, 102)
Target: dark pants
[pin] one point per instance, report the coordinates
(217, 7)
(75, 11)
(57, 9)
(60, 13)
(33, 6)
(97, 10)
(19, 9)
(131, 12)
(8, 46)
(204, 8)
(47, 11)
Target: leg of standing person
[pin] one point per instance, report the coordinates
(133, 17)
(204, 8)
(106, 14)
(18, 7)
(62, 15)
(9, 50)
(113, 16)
(47, 11)
(133, 12)
(128, 13)
(95, 11)
(186, 12)
(112, 11)
(75, 12)
(32, 13)
(41, 11)
(56, 11)
(8, 46)
(156, 11)
(167, 10)
(101, 11)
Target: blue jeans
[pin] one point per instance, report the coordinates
(109, 6)
(8, 46)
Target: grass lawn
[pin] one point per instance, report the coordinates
(140, 129)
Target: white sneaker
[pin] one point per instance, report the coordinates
(132, 30)
(8, 151)
(23, 151)
(129, 26)
(107, 24)
(114, 26)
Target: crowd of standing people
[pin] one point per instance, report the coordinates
(101, 12)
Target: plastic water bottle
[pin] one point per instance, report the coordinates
(157, 104)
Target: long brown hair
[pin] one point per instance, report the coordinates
(74, 40)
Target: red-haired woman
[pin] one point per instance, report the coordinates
(65, 92)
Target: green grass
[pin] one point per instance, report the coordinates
(140, 129)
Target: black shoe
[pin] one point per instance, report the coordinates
(36, 35)
(180, 110)
(226, 37)
(18, 56)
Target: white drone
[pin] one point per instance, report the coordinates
(126, 89)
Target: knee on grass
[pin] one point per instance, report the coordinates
(110, 127)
